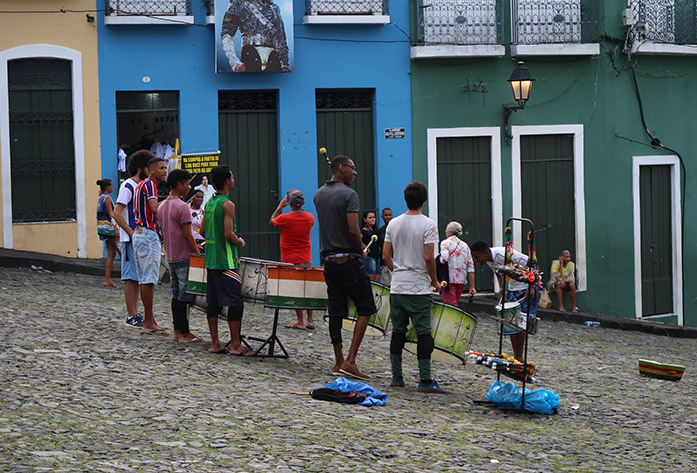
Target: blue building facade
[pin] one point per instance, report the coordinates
(158, 83)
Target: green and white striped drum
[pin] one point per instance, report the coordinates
(377, 326)
(295, 287)
(254, 275)
(197, 275)
(452, 330)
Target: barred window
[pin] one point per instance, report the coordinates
(41, 140)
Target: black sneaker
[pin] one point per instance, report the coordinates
(135, 321)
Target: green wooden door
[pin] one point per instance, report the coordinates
(656, 238)
(464, 193)
(345, 126)
(41, 140)
(249, 145)
(547, 174)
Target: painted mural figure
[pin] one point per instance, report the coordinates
(264, 43)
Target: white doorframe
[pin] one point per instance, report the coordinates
(494, 134)
(75, 58)
(579, 189)
(676, 216)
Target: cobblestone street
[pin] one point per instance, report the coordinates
(82, 392)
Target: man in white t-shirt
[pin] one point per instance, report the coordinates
(495, 258)
(207, 190)
(125, 217)
(408, 251)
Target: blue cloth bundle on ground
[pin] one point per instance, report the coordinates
(373, 397)
(507, 396)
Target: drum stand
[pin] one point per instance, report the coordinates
(271, 341)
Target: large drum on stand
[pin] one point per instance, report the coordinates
(452, 330)
(377, 325)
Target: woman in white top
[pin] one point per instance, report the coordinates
(457, 254)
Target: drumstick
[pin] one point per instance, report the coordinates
(323, 152)
(373, 239)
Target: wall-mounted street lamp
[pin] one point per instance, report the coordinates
(521, 83)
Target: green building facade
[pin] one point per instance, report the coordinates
(611, 78)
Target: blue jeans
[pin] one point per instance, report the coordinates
(372, 265)
(179, 277)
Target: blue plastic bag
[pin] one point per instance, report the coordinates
(507, 396)
(375, 397)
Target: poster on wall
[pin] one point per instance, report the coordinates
(254, 35)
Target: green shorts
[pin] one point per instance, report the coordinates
(404, 307)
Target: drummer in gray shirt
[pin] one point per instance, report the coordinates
(341, 250)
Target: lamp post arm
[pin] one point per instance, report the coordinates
(507, 110)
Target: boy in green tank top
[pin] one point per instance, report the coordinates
(224, 282)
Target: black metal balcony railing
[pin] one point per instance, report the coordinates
(148, 7)
(669, 21)
(555, 21)
(347, 7)
(460, 22)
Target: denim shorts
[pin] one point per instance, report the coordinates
(179, 277)
(128, 262)
(519, 296)
(372, 265)
(148, 251)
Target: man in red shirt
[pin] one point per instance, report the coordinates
(295, 240)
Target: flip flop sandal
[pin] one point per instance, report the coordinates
(193, 340)
(244, 352)
(159, 331)
(310, 326)
(295, 326)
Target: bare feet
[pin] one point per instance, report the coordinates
(217, 348)
(574, 310)
(561, 309)
(189, 338)
(109, 284)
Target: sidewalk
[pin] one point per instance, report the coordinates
(95, 267)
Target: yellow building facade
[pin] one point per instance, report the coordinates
(49, 127)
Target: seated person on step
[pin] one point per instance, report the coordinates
(563, 279)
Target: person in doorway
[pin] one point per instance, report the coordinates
(124, 214)
(562, 279)
(206, 189)
(517, 290)
(295, 242)
(384, 270)
(197, 215)
(457, 255)
(372, 257)
(146, 242)
(224, 288)
(264, 43)
(409, 252)
(107, 228)
(341, 250)
(174, 216)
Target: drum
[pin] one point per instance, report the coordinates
(377, 325)
(254, 277)
(197, 275)
(510, 315)
(295, 287)
(452, 330)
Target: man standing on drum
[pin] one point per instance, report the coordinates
(341, 250)
(224, 283)
(517, 290)
(410, 241)
(295, 243)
